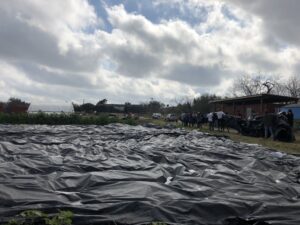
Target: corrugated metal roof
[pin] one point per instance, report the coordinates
(270, 97)
(292, 106)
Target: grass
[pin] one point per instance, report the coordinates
(292, 148)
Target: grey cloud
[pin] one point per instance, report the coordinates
(135, 48)
(259, 61)
(134, 63)
(52, 92)
(280, 17)
(197, 75)
(24, 43)
(41, 75)
(162, 42)
(296, 69)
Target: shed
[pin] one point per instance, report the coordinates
(295, 109)
(14, 107)
(49, 109)
(253, 104)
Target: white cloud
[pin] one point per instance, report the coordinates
(48, 52)
(44, 32)
(160, 50)
(280, 18)
(62, 19)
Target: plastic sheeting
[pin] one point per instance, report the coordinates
(135, 175)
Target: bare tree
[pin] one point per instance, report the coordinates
(269, 86)
(243, 86)
(253, 85)
(292, 86)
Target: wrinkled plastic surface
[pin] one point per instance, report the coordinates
(134, 175)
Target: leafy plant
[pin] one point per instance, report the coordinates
(63, 218)
(34, 217)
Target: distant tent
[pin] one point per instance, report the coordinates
(66, 108)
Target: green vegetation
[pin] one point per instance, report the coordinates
(37, 217)
(62, 119)
(34, 217)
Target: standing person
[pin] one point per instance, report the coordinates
(220, 116)
(215, 119)
(225, 122)
(199, 120)
(290, 118)
(194, 119)
(190, 120)
(269, 124)
(210, 121)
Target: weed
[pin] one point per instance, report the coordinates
(34, 217)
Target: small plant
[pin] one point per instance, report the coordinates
(63, 218)
(34, 217)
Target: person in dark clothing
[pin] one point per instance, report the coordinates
(269, 124)
(290, 118)
(199, 120)
(215, 120)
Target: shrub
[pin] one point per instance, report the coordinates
(61, 119)
(36, 217)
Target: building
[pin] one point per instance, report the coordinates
(14, 107)
(50, 109)
(295, 109)
(254, 104)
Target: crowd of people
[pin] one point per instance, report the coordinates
(193, 119)
(216, 120)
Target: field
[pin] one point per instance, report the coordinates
(292, 148)
(103, 119)
(122, 174)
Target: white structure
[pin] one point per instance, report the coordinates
(49, 109)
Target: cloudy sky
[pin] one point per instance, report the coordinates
(133, 50)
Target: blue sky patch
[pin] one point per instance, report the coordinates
(153, 13)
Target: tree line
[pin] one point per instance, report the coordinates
(199, 104)
(243, 86)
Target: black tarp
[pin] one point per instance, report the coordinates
(135, 175)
